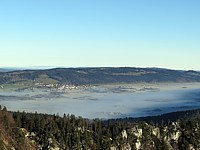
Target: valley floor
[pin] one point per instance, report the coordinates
(104, 101)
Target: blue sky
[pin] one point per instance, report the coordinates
(86, 33)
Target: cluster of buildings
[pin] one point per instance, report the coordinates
(59, 86)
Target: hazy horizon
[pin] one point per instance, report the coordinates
(52, 67)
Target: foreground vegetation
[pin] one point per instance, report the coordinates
(27, 131)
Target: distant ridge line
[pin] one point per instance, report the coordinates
(99, 75)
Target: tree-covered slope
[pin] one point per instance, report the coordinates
(29, 131)
(85, 76)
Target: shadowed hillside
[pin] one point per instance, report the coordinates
(87, 76)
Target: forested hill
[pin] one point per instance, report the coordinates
(33, 131)
(86, 76)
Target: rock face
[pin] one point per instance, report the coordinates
(113, 148)
(126, 147)
(138, 144)
(156, 132)
(170, 135)
(124, 134)
(137, 131)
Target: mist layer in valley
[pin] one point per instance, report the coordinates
(105, 101)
